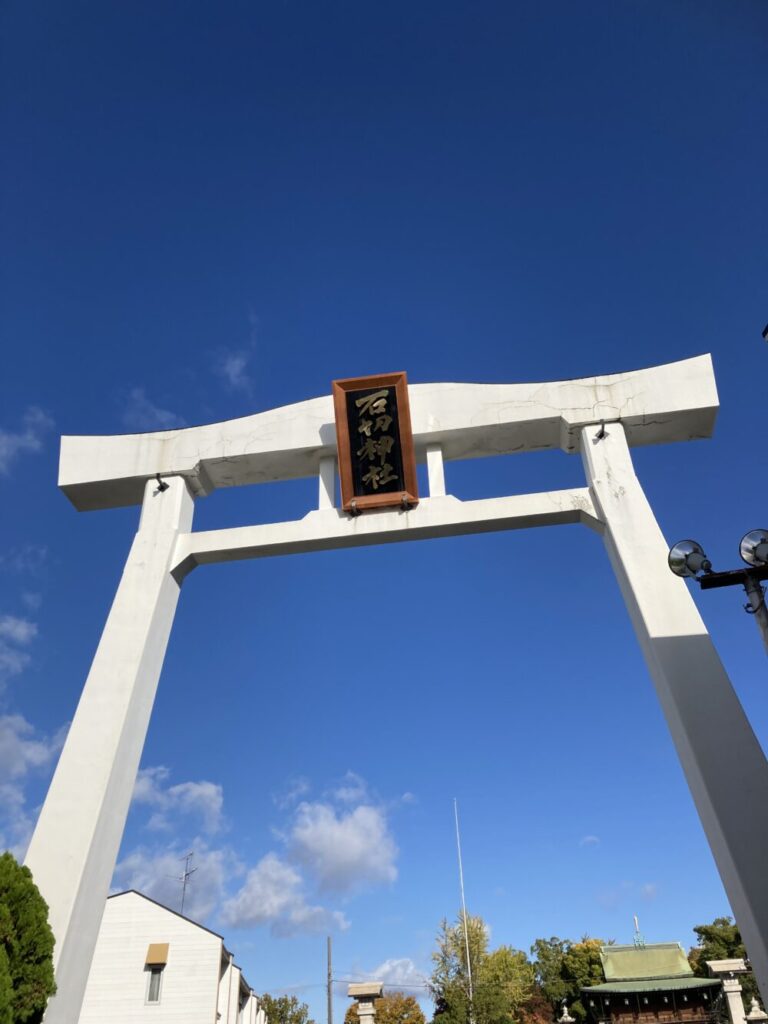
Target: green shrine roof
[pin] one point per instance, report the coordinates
(651, 985)
(640, 963)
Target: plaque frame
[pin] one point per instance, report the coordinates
(408, 497)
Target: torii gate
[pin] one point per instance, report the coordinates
(76, 842)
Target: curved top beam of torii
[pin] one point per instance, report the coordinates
(674, 402)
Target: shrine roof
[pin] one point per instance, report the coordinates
(636, 963)
(652, 985)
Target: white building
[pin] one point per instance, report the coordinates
(154, 965)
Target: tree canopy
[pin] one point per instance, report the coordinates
(564, 967)
(721, 940)
(26, 946)
(503, 980)
(285, 1010)
(391, 1008)
(511, 988)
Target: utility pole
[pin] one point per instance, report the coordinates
(330, 985)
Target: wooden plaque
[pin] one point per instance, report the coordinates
(377, 464)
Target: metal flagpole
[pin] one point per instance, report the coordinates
(464, 913)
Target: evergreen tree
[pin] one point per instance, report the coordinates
(721, 940)
(6, 989)
(26, 944)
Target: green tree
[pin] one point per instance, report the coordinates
(564, 967)
(505, 983)
(26, 945)
(285, 1010)
(721, 940)
(548, 957)
(503, 980)
(582, 966)
(6, 989)
(450, 957)
(392, 1008)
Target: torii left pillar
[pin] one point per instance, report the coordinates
(77, 839)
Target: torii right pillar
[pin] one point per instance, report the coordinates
(723, 762)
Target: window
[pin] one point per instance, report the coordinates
(154, 964)
(153, 984)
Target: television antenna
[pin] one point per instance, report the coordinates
(184, 877)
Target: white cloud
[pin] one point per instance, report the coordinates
(343, 850)
(294, 790)
(157, 874)
(401, 973)
(35, 425)
(22, 752)
(273, 895)
(351, 790)
(19, 631)
(649, 891)
(32, 600)
(30, 558)
(327, 846)
(15, 635)
(20, 749)
(204, 799)
(232, 367)
(12, 661)
(589, 841)
(141, 414)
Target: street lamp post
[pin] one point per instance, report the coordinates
(687, 559)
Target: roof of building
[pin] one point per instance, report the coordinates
(640, 963)
(652, 985)
(135, 892)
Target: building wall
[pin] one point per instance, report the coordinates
(117, 984)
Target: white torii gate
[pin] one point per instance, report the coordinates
(76, 842)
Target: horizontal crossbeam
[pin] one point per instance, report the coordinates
(675, 402)
(327, 529)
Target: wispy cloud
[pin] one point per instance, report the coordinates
(23, 752)
(29, 559)
(615, 895)
(141, 413)
(203, 799)
(328, 848)
(351, 790)
(649, 891)
(589, 841)
(399, 974)
(157, 873)
(232, 367)
(292, 792)
(35, 425)
(15, 637)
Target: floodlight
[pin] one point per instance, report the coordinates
(754, 547)
(687, 558)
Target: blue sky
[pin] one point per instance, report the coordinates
(210, 210)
